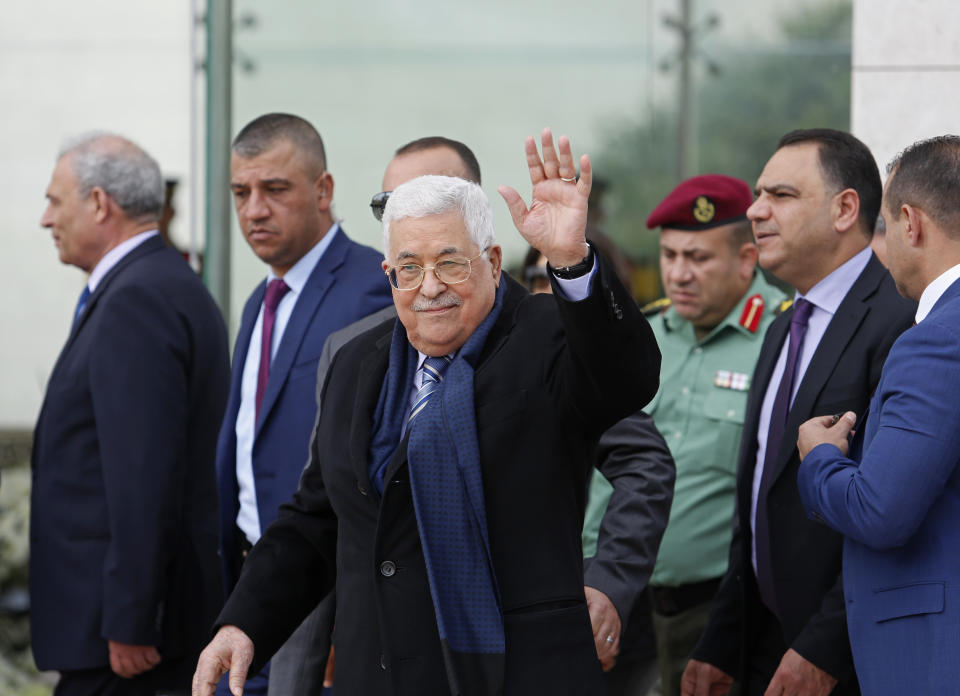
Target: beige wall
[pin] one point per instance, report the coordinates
(906, 73)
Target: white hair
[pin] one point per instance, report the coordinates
(121, 168)
(435, 195)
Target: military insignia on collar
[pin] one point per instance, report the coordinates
(656, 306)
(726, 379)
(784, 306)
(703, 209)
(752, 312)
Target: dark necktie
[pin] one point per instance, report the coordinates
(778, 423)
(433, 369)
(276, 289)
(81, 304)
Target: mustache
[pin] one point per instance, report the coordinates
(446, 299)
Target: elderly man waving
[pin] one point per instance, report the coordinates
(448, 499)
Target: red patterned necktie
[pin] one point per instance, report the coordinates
(276, 289)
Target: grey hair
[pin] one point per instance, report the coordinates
(435, 195)
(125, 171)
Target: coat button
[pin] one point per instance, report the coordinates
(361, 488)
(388, 569)
(383, 661)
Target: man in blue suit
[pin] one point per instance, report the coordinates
(124, 576)
(318, 281)
(898, 507)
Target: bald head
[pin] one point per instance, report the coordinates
(431, 155)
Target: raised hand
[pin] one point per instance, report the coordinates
(556, 221)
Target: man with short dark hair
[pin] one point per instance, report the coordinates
(124, 576)
(777, 621)
(455, 444)
(896, 499)
(318, 280)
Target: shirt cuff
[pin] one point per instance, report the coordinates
(577, 289)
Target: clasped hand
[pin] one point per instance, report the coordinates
(826, 430)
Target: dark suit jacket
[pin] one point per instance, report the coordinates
(631, 455)
(805, 555)
(898, 511)
(298, 667)
(346, 284)
(123, 532)
(547, 384)
(635, 459)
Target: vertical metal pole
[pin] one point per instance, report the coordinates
(216, 264)
(193, 176)
(685, 119)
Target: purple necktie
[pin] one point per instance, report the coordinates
(778, 423)
(276, 289)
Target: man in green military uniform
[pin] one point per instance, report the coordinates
(709, 328)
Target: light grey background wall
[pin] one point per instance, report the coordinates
(906, 73)
(67, 67)
(370, 75)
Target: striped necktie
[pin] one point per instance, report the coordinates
(433, 369)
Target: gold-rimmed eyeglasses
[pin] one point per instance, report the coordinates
(409, 276)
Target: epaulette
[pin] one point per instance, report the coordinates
(784, 306)
(752, 313)
(656, 306)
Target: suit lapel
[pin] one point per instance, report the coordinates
(247, 322)
(370, 381)
(308, 304)
(147, 247)
(842, 328)
(500, 331)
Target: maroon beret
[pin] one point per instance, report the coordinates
(705, 201)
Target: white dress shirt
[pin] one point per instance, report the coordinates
(935, 290)
(248, 517)
(825, 297)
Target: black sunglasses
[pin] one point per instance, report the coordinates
(378, 203)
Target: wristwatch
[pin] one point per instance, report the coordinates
(577, 270)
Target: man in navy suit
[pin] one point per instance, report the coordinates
(124, 577)
(318, 281)
(898, 504)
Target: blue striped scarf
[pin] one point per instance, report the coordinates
(446, 480)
